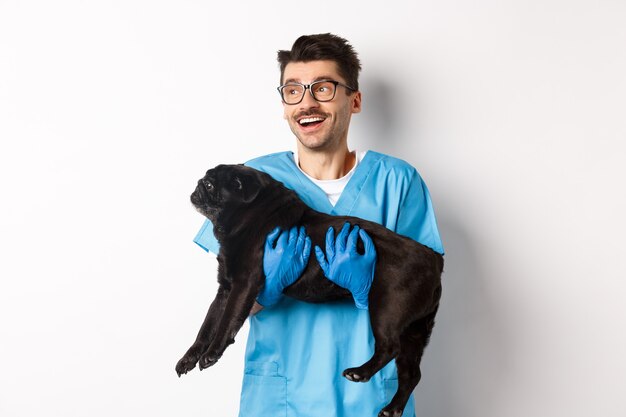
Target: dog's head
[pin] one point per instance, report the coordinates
(226, 186)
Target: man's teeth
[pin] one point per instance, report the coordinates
(310, 120)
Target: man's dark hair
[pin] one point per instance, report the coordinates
(324, 46)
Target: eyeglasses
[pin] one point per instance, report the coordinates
(323, 90)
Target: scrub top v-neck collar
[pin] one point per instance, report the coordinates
(317, 198)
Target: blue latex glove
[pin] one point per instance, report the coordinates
(345, 266)
(284, 259)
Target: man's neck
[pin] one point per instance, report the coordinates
(326, 165)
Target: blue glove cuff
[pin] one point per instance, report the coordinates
(362, 303)
(268, 300)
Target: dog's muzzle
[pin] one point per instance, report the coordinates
(201, 195)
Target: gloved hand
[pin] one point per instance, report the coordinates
(284, 259)
(345, 266)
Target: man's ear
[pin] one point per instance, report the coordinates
(356, 102)
(246, 186)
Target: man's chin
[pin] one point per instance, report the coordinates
(315, 144)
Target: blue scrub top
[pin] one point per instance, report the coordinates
(296, 351)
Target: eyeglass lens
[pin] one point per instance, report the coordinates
(322, 91)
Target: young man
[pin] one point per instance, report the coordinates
(296, 351)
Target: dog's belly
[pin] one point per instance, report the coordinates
(314, 287)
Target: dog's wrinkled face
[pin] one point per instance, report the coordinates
(225, 186)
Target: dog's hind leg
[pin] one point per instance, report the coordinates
(386, 347)
(207, 330)
(413, 341)
(237, 309)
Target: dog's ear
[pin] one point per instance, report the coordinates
(247, 187)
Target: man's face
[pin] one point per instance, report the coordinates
(320, 126)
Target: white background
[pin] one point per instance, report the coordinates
(514, 112)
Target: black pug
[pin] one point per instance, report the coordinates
(244, 205)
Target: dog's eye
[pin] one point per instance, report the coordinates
(208, 185)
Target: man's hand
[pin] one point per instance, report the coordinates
(344, 266)
(284, 259)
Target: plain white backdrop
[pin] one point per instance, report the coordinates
(514, 112)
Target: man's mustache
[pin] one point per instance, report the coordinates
(310, 114)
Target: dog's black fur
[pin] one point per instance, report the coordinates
(244, 205)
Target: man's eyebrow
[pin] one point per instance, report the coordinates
(320, 78)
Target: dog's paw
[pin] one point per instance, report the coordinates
(390, 412)
(186, 364)
(354, 375)
(207, 360)
(190, 359)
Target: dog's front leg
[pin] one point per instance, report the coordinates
(206, 333)
(238, 307)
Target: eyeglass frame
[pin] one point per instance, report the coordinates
(280, 89)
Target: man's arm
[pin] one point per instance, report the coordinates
(256, 308)
(416, 217)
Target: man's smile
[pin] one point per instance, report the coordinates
(310, 122)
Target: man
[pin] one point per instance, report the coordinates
(296, 351)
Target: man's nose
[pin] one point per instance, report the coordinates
(308, 101)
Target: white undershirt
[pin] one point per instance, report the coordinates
(334, 188)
